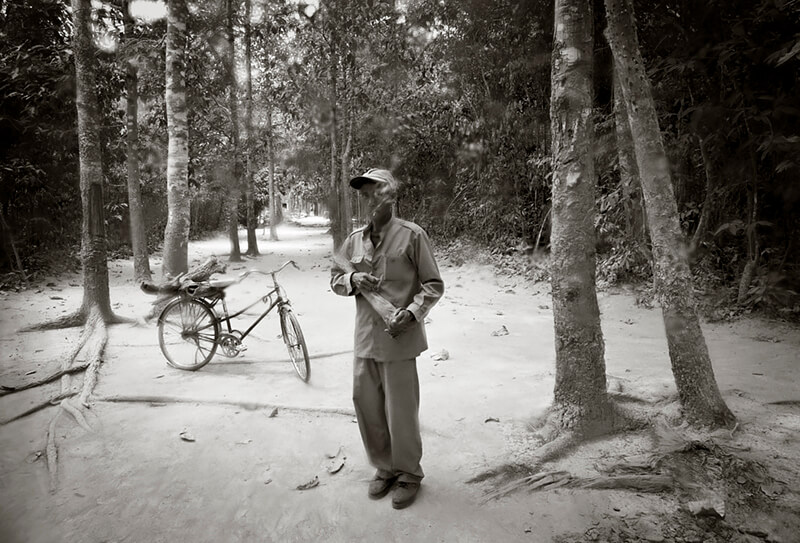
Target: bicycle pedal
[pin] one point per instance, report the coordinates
(242, 348)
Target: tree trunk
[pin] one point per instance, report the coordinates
(252, 240)
(141, 261)
(93, 232)
(335, 196)
(11, 247)
(345, 203)
(691, 364)
(636, 227)
(708, 201)
(235, 179)
(751, 235)
(273, 215)
(580, 402)
(176, 234)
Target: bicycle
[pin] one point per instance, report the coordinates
(190, 327)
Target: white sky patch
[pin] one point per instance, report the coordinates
(311, 8)
(106, 42)
(148, 10)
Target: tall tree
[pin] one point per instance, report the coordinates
(176, 234)
(93, 232)
(334, 15)
(635, 226)
(252, 240)
(273, 212)
(581, 404)
(234, 180)
(691, 363)
(141, 261)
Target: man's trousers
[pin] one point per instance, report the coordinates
(386, 400)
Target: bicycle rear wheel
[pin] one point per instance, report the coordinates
(295, 343)
(188, 331)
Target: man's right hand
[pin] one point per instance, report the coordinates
(365, 282)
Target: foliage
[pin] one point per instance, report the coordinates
(452, 95)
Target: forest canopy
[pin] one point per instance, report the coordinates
(452, 95)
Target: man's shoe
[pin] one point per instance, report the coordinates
(378, 487)
(404, 494)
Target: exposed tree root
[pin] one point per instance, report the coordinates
(76, 414)
(95, 336)
(78, 318)
(67, 321)
(38, 407)
(785, 402)
(94, 358)
(698, 467)
(549, 480)
(52, 452)
(5, 390)
(250, 406)
(640, 483)
(560, 433)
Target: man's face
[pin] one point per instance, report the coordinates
(376, 202)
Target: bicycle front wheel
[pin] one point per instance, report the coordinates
(188, 331)
(295, 343)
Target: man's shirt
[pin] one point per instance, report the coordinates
(404, 262)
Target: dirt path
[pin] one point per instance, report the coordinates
(134, 479)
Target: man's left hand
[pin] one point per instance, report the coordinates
(401, 321)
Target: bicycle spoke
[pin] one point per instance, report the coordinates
(205, 337)
(188, 334)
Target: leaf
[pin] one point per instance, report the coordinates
(186, 436)
(273, 413)
(336, 462)
(441, 355)
(310, 484)
(503, 331)
(491, 419)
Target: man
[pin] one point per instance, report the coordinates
(392, 259)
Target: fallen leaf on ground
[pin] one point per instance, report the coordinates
(244, 442)
(186, 436)
(491, 419)
(503, 331)
(336, 462)
(274, 413)
(310, 484)
(33, 457)
(441, 355)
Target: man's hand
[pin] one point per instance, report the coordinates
(403, 318)
(365, 282)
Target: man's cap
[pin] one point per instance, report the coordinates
(373, 175)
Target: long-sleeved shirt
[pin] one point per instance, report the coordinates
(404, 262)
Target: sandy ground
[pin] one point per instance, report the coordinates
(134, 479)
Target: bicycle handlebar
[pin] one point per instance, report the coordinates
(272, 272)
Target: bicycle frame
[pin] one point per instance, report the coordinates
(278, 301)
(274, 298)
